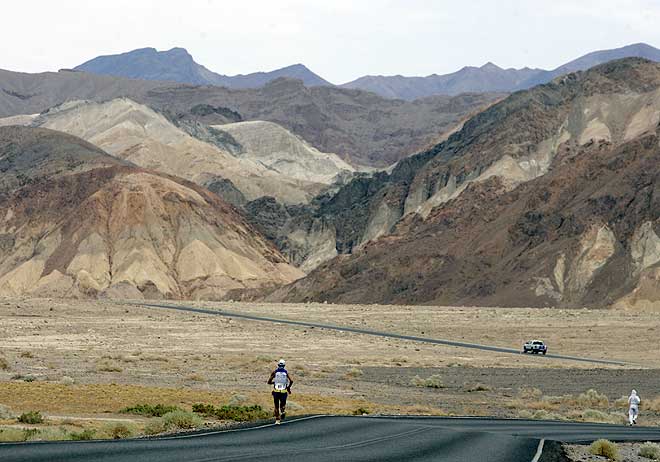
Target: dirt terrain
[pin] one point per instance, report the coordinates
(81, 359)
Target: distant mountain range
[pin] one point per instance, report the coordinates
(491, 78)
(178, 65)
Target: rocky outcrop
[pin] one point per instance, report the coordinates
(279, 150)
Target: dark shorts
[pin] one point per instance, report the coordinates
(279, 399)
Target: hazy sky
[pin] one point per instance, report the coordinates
(338, 39)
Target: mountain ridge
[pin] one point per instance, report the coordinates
(178, 65)
(490, 77)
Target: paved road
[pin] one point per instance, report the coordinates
(328, 438)
(375, 333)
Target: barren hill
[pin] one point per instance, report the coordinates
(550, 197)
(78, 222)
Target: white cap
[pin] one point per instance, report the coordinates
(281, 362)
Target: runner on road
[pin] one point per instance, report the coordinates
(281, 381)
(633, 411)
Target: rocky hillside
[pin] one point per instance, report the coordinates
(360, 127)
(279, 150)
(549, 197)
(177, 65)
(134, 132)
(77, 222)
(491, 78)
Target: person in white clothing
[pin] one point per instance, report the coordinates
(633, 410)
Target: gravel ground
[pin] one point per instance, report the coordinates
(628, 452)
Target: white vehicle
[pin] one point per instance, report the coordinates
(535, 347)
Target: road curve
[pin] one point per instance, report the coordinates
(335, 438)
(375, 333)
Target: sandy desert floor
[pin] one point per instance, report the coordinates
(85, 360)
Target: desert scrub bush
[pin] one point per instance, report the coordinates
(621, 402)
(108, 367)
(361, 411)
(196, 378)
(31, 417)
(119, 430)
(149, 410)
(650, 451)
(651, 404)
(556, 400)
(434, 381)
(228, 412)
(591, 398)
(539, 414)
(27, 354)
(155, 426)
(85, 435)
(182, 419)
(594, 415)
(354, 372)
(154, 358)
(604, 448)
(478, 387)
(530, 393)
(4, 364)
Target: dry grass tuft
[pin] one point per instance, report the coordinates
(651, 404)
(650, 451)
(4, 364)
(530, 393)
(182, 420)
(108, 367)
(477, 387)
(540, 415)
(196, 378)
(604, 448)
(119, 430)
(594, 415)
(434, 381)
(591, 398)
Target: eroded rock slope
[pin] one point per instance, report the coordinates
(75, 221)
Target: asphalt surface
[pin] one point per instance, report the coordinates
(334, 438)
(355, 330)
